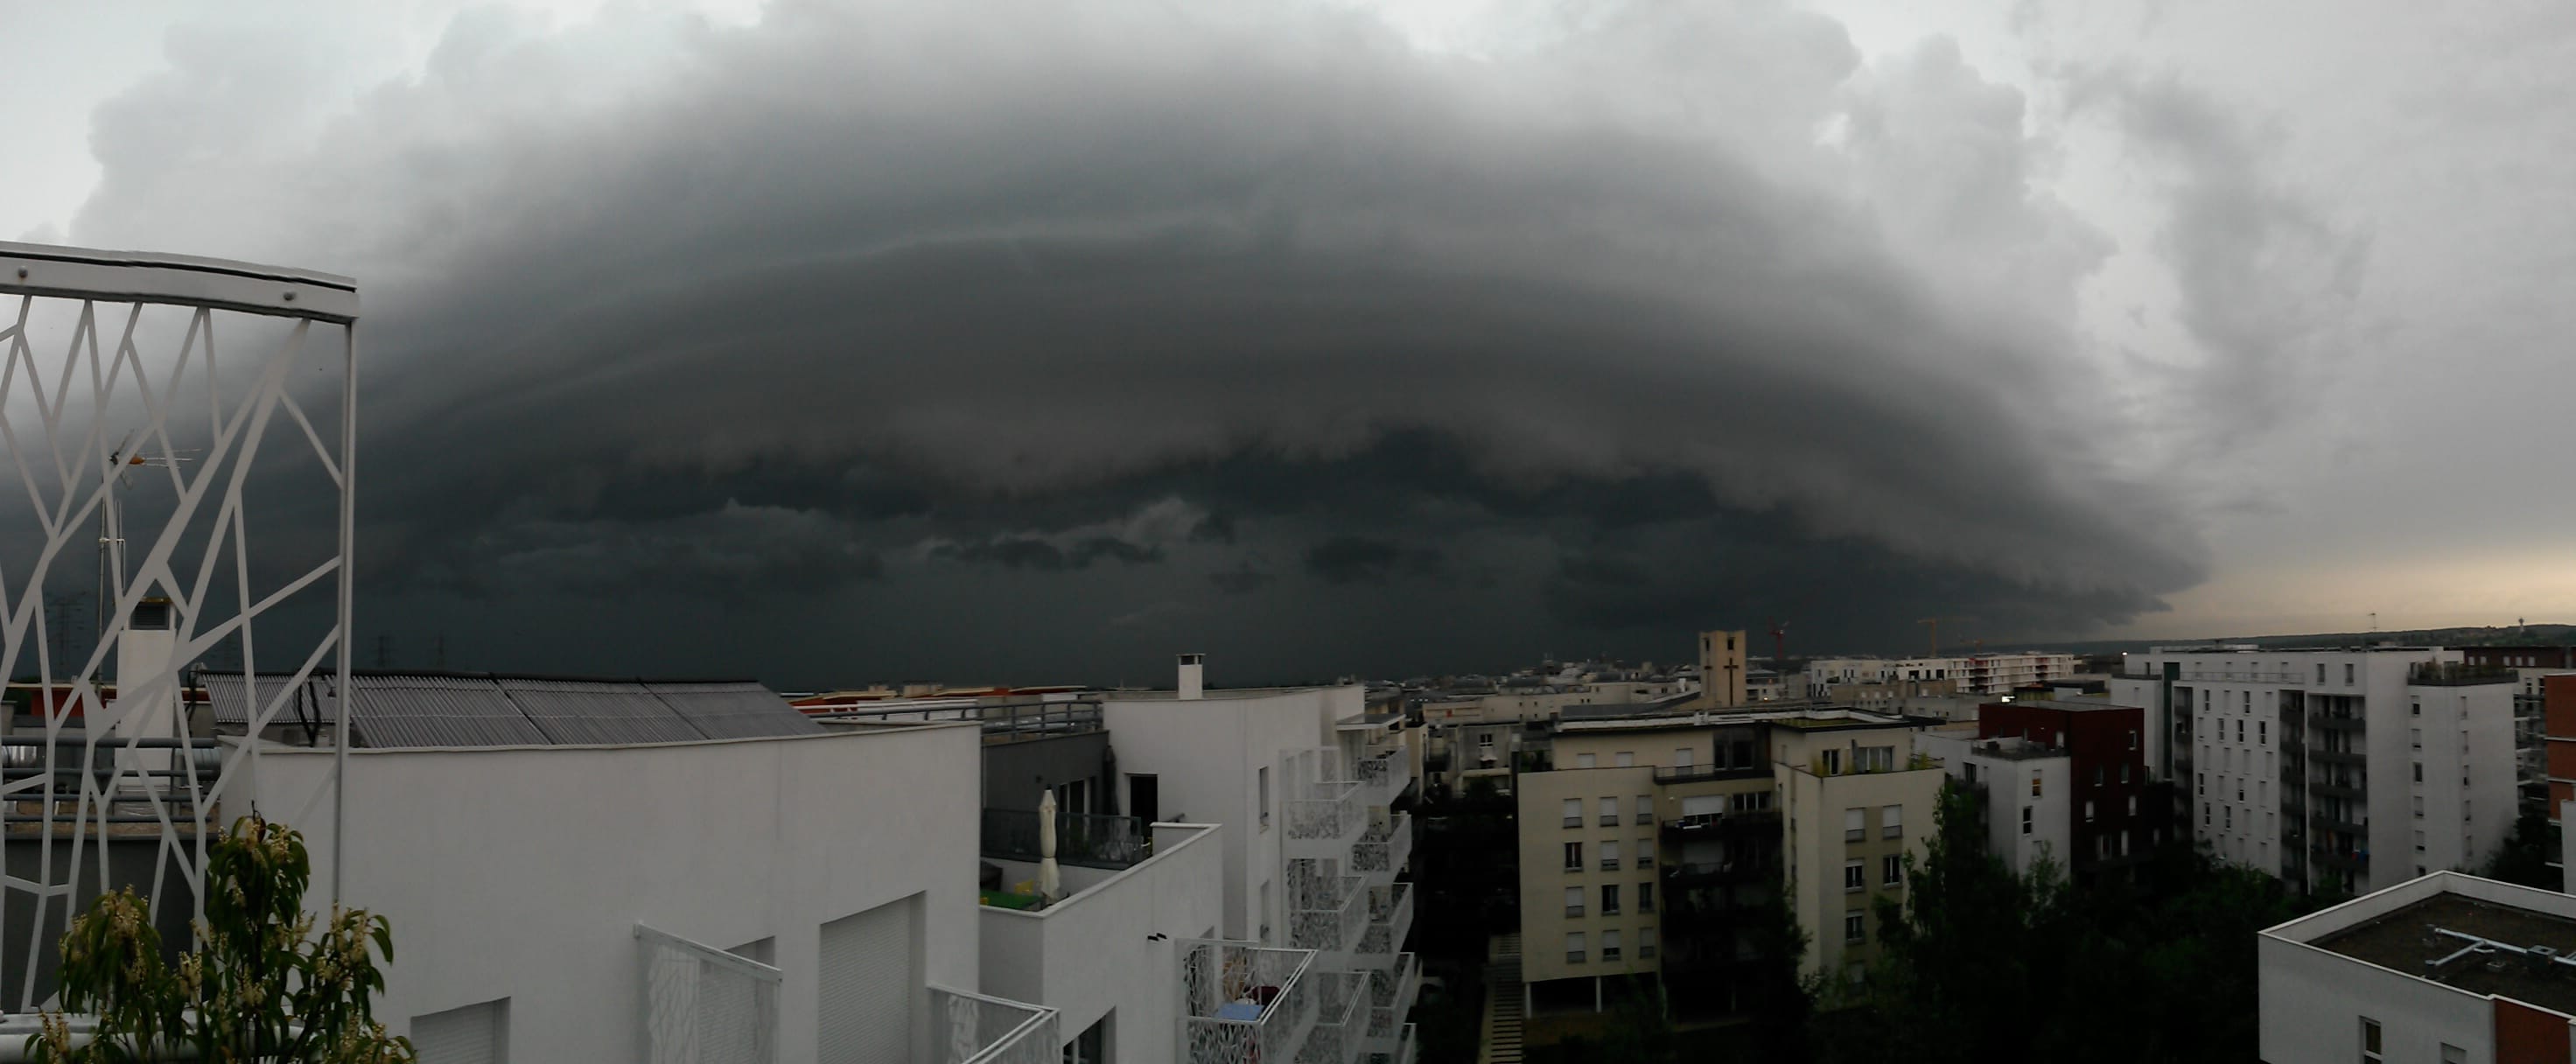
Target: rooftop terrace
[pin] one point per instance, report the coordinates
(2479, 946)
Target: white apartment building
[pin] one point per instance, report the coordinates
(2445, 968)
(2028, 786)
(1975, 674)
(2365, 767)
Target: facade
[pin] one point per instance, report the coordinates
(2357, 768)
(1466, 736)
(2023, 787)
(1721, 669)
(2530, 665)
(2559, 727)
(2445, 967)
(1655, 840)
(2065, 779)
(1976, 674)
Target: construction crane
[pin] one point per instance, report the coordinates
(1934, 624)
(1780, 647)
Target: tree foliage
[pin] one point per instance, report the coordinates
(2525, 856)
(261, 985)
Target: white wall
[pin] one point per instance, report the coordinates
(1091, 954)
(522, 872)
(2313, 1002)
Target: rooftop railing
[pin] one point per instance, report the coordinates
(2458, 674)
(1092, 840)
(968, 1028)
(1243, 1003)
(1002, 721)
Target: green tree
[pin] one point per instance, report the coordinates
(2524, 859)
(260, 985)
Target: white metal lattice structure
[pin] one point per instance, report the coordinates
(703, 1005)
(175, 382)
(981, 1029)
(1242, 1003)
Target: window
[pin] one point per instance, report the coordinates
(2321, 672)
(2249, 707)
(1646, 943)
(1645, 897)
(2419, 772)
(2133, 738)
(1573, 901)
(475, 1032)
(1485, 740)
(2262, 731)
(2034, 783)
(2419, 805)
(2025, 820)
(1853, 826)
(2452, 1054)
(1891, 870)
(1645, 853)
(2124, 773)
(1609, 855)
(2347, 679)
(2416, 738)
(2369, 1027)
(1622, 759)
(1855, 926)
(1574, 857)
(2415, 708)
(1584, 760)
(2200, 783)
(2133, 805)
(2088, 810)
(1682, 757)
(1609, 945)
(2227, 817)
(2419, 840)
(1574, 812)
(2240, 729)
(1744, 754)
(1645, 809)
(1609, 812)
(1855, 877)
(1574, 947)
(1263, 774)
(1891, 821)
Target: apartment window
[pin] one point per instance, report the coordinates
(1891, 870)
(1891, 821)
(2415, 708)
(1645, 853)
(1574, 857)
(1646, 943)
(1609, 946)
(1855, 877)
(1263, 776)
(1609, 812)
(2204, 815)
(2124, 773)
(1584, 760)
(2200, 783)
(2369, 1027)
(2464, 812)
(2227, 816)
(2088, 810)
(1624, 759)
(1485, 740)
(2133, 738)
(1574, 947)
(2321, 672)
(1646, 897)
(2419, 772)
(2133, 805)
(1855, 926)
(1682, 757)
(1573, 901)
(1609, 903)
(2249, 707)
(475, 1032)
(1609, 855)
(2419, 840)
(2262, 731)
(2240, 729)
(1853, 826)
(2347, 679)
(2452, 1054)
(2419, 805)
(2034, 783)
(2240, 790)
(2025, 820)
(2416, 737)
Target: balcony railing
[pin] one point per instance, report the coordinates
(1328, 821)
(2337, 721)
(1393, 991)
(1385, 848)
(1384, 776)
(2328, 822)
(976, 1029)
(1002, 722)
(1329, 914)
(2248, 676)
(2352, 791)
(2339, 757)
(2458, 674)
(1341, 1019)
(1407, 1046)
(1091, 840)
(1390, 919)
(1692, 773)
(1243, 1003)
(1732, 820)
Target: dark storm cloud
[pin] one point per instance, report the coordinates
(1355, 559)
(979, 286)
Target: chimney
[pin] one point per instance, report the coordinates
(1193, 679)
(143, 660)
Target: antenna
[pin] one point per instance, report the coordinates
(111, 520)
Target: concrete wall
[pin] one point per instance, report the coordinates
(521, 873)
(2313, 1002)
(1091, 955)
(1017, 774)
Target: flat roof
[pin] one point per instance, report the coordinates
(2059, 703)
(2404, 940)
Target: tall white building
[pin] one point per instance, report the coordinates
(2358, 767)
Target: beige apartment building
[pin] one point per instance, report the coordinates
(1655, 841)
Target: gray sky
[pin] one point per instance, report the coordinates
(1034, 341)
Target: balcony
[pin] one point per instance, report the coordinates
(975, 1029)
(1087, 839)
(1390, 920)
(2356, 863)
(1242, 1003)
(1384, 777)
(1697, 773)
(1341, 1019)
(2339, 757)
(1733, 822)
(1392, 991)
(2344, 722)
(1384, 850)
(2327, 822)
(2348, 791)
(2249, 676)
(1327, 821)
(2458, 674)
(1328, 915)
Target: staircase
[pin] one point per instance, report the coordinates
(1501, 1041)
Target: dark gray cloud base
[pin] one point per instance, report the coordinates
(865, 340)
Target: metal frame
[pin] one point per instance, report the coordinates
(43, 359)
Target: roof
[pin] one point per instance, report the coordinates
(2060, 704)
(397, 710)
(2406, 940)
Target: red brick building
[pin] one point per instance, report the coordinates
(2113, 800)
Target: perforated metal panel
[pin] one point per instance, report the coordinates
(868, 975)
(704, 1005)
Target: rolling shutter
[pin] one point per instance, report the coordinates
(475, 1034)
(868, 979)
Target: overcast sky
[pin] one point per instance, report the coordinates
(1028, 341)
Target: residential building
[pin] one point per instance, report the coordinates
(2445, 967)
(2530, 664)
(2559, 699)
(2068, 779)
(1977, 674)
(2359, 767)
(1468, 735)
(1654, 839)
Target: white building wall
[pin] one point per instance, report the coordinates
(1093, 955)
(2313, 1002)
(521, 872)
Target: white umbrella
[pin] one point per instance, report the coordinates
(1050, 881)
